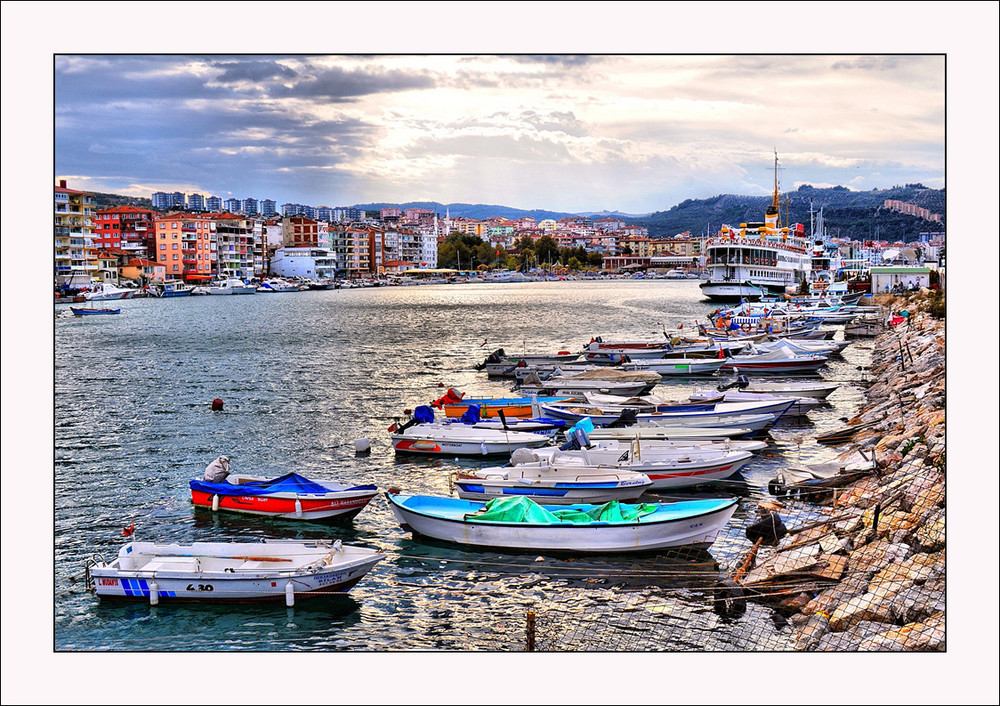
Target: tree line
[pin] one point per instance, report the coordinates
(462, 251)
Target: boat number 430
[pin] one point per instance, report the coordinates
(200, 587)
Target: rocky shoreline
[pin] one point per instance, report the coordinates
(872, 576)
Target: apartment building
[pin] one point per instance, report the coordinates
(126, 228)
(185, 245)
(75, 254)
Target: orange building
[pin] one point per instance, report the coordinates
(185, 245)
(299, 232)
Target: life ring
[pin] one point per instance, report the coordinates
(746, 327)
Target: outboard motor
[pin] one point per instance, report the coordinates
(496, 356)
(740, 383)
(625, 419)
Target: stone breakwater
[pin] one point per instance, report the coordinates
(871, 576)
(891, 595)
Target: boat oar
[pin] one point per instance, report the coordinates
(226, 556)
(503, 421)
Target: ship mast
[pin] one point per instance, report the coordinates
(772, 214)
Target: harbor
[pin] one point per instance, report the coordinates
(303, 378)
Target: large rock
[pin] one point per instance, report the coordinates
(877, 555)
(931, 537)
(913, 637)
(827, 601)
(874, 605)
(810, 634)
(919, 602)
(928, 501)
(917, 569)
(850, 640)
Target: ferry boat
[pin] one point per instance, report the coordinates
(757, 259)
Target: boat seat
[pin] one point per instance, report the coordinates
(174, 563)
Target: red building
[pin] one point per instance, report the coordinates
(126, 228)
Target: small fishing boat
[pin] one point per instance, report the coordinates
(667, 467)
(800, 405)
(500, 357)
(290, 496)
(489, 407)
(422, 435)
(780, 360)
(175, 288)
(678, 366)
(89, 311)
(755, 415)
(105, 291)
(519, 523)
(230, 571)
(551, 484)
(605, 381)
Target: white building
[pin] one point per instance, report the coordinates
(311, 263)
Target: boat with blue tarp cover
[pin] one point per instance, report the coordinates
(290, 496)
(519, 523)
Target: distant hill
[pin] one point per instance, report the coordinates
(849, 214)
(111, 200)
(468, 210)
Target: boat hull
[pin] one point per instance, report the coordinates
(556, 493)
(333, 508)
(684, 527)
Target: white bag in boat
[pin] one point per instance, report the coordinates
(217, 470)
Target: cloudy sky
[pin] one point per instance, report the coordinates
(634, 133)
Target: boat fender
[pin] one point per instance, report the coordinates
(289, 594)
(769, 527)
(729, 599)
(217, 405)
(215, 503)
(154, 593)
(298, 507)
(746, 327)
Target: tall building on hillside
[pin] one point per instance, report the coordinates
(249, 206)
(232, 205)
(268, 208)
(75, 255)
(196, 202)
(161, 200)
(235, 251)
(213, 204)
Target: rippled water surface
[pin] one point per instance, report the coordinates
(302, 376)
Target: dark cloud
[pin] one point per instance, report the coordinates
(564, 60)
(256, 71)
(337, 84)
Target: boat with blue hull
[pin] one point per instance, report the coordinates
(522, 524)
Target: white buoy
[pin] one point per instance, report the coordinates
(154, 593)
(298, 507)
(289, 594)
(215, 503)
(362, 445)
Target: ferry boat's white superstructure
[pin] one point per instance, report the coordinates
(757, 259)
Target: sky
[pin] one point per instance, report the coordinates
(575, 133)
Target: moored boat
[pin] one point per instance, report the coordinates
(522, 524)
(92, 311)
(232, 285)
(550, 484)
(289, 496)
(230, 571)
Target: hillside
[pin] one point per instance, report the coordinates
(850, 214)
(467, 210)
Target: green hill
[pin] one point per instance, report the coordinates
(859, 215)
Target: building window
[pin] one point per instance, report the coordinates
(175, 246)
(163, 246)
(175, 256)
(173, 225)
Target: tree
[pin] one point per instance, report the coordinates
(547, 250)
(573, 264)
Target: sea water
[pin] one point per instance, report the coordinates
(302, 376)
